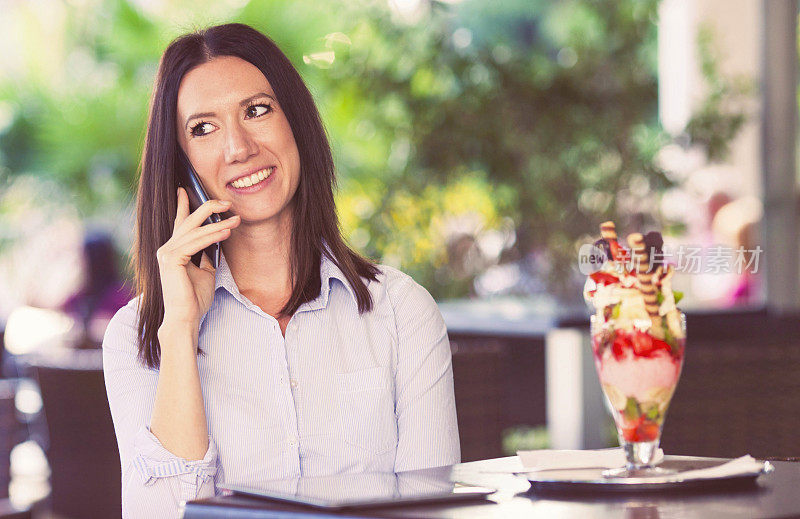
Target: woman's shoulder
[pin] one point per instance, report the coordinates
(391, 279)
(122, 330)
(400, 288)
(391, 275)
(397, 296)
(129, 311)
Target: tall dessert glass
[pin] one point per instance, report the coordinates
(638, 374)
(638, 340)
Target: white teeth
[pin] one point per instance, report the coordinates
(253, 179)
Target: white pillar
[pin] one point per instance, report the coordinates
(779, 134)
(737, 30)
(576, 417)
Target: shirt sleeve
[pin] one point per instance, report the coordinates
(154, 481)
(427, 428)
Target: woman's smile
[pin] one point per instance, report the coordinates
(252, 183)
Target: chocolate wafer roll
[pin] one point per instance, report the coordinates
(657, 275)
(648, 290)
(608, 231)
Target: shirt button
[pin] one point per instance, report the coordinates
(292, 441)
(293, 383)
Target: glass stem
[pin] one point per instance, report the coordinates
(639, 454)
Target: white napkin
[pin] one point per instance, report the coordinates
(576, 459)
(538, 460)
(739, 466)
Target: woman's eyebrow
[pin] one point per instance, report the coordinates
(243, 102)
(198, 116)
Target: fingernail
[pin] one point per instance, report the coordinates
(225, 202)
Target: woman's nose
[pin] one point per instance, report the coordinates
(239, 145)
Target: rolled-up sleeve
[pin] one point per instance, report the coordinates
(425, 400)
(154, 481)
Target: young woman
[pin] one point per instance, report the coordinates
(295, 356)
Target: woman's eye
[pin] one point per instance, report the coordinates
(258, 110)
(201, 129)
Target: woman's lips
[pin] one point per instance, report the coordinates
(255, 187)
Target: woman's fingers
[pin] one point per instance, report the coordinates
(190, 243)
(183, 209)
(197, 218)
(186, 289)
(188, 220)
(181, 255)
(206, 240)
(189, 234)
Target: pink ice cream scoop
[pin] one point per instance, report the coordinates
(635, 376)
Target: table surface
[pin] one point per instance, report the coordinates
(773, 495)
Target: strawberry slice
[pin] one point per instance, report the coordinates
(658, 344)
(647, 431)
(631, 434)
(642, 344)
(621, 341)
(604, 278)
(615, 249)
(639, 430)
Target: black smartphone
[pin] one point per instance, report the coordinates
(188, 179)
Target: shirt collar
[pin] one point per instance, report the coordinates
(223, 277)
(327, 272)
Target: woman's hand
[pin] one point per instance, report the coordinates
(187, 289)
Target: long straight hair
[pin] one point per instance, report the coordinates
(315, 227)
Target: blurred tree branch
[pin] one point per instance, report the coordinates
(466, 135)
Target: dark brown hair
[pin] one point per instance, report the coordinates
(315, 223)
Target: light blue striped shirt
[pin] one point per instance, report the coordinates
(341, 393)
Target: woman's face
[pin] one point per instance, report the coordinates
(238, 138)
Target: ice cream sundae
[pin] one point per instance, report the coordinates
(638, 337)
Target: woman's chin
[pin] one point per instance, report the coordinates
(256, 218)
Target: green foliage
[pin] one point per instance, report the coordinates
(548, 101)
(523, 438)
(480, 133)
(722, 114)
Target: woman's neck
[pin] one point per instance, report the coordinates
(259, 257)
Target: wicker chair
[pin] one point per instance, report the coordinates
(499, 384)
(739, 392)
(9, 432)
(82, 452)
(478, 379)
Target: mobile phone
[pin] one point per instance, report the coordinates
(188, 179)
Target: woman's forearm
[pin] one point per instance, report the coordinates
(179, 418)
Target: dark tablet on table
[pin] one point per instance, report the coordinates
(370, 490)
